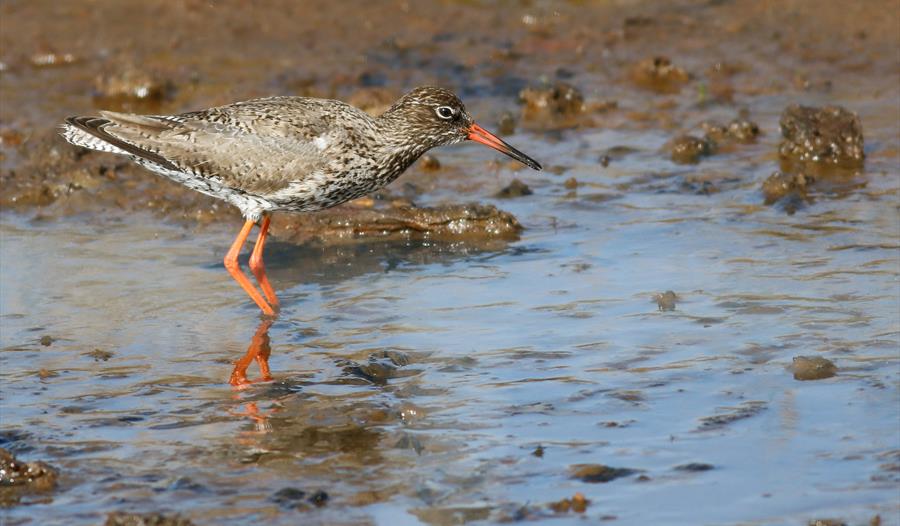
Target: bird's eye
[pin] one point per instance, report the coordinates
(445, 112)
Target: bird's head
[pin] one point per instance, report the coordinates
(435, 117)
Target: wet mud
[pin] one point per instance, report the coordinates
(695, 302)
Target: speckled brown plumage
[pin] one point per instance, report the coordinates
(296, 154)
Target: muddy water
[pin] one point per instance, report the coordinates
(424, 381)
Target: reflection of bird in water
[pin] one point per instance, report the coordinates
(259, 350)
(295, 154)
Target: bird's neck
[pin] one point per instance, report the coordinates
(398, 146)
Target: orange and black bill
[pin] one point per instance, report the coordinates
(479, 134)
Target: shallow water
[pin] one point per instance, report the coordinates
(554, 341)
(413, 382)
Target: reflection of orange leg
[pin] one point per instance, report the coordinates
(259, 350)
(231, 263)
(257, 267)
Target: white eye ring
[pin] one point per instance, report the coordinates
(445, 112)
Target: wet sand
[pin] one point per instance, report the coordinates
(450, 352)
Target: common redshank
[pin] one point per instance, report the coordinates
(297, 154)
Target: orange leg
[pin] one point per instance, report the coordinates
(259, 350)
(231, 263)
(257, 267)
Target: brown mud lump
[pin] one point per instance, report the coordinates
(688, 149)
(19, 478)
(595, 473)
(666, 300)
(514, 189)
(560, 98)
(131, 83)
(780, 185)
(742, 131)
(120, 518)
(812, 368)
(830, 135)
(659, 74)
(430, 163)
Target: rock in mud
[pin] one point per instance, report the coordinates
(595, 473)
(659, 74)
(20, 479)
(120, 518)
(346, 224)
(694, 466)
(687, 149)
(506, 125)
(741, 131)
(779, 186)
(829, 135)
(99, 355)
(812, 368)
(666, 300)
(131, 83)
(430, 163)
(577, 503)
(514, 189)
(558, 99)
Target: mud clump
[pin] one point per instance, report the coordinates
(687, 149)
(506, 124)
(473, 222)
(380, 368)
(22, 479)
(812, 368)
(829, 135)
(558, 99)
(792, 189)
(99, 355)
(658, 74)
(131, 84)
(298, 499)
(596, 473)
(430, 163)
(514, 189)
(741, 131)
(694, 467)
(120, 518)
(577, 503)
(666, 301)
(733, 414)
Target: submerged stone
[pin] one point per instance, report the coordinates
(514, 189)
(595, 473)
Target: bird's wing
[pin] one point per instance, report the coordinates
(257, 147)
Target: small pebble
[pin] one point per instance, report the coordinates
(813, 368)
(515, 189)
